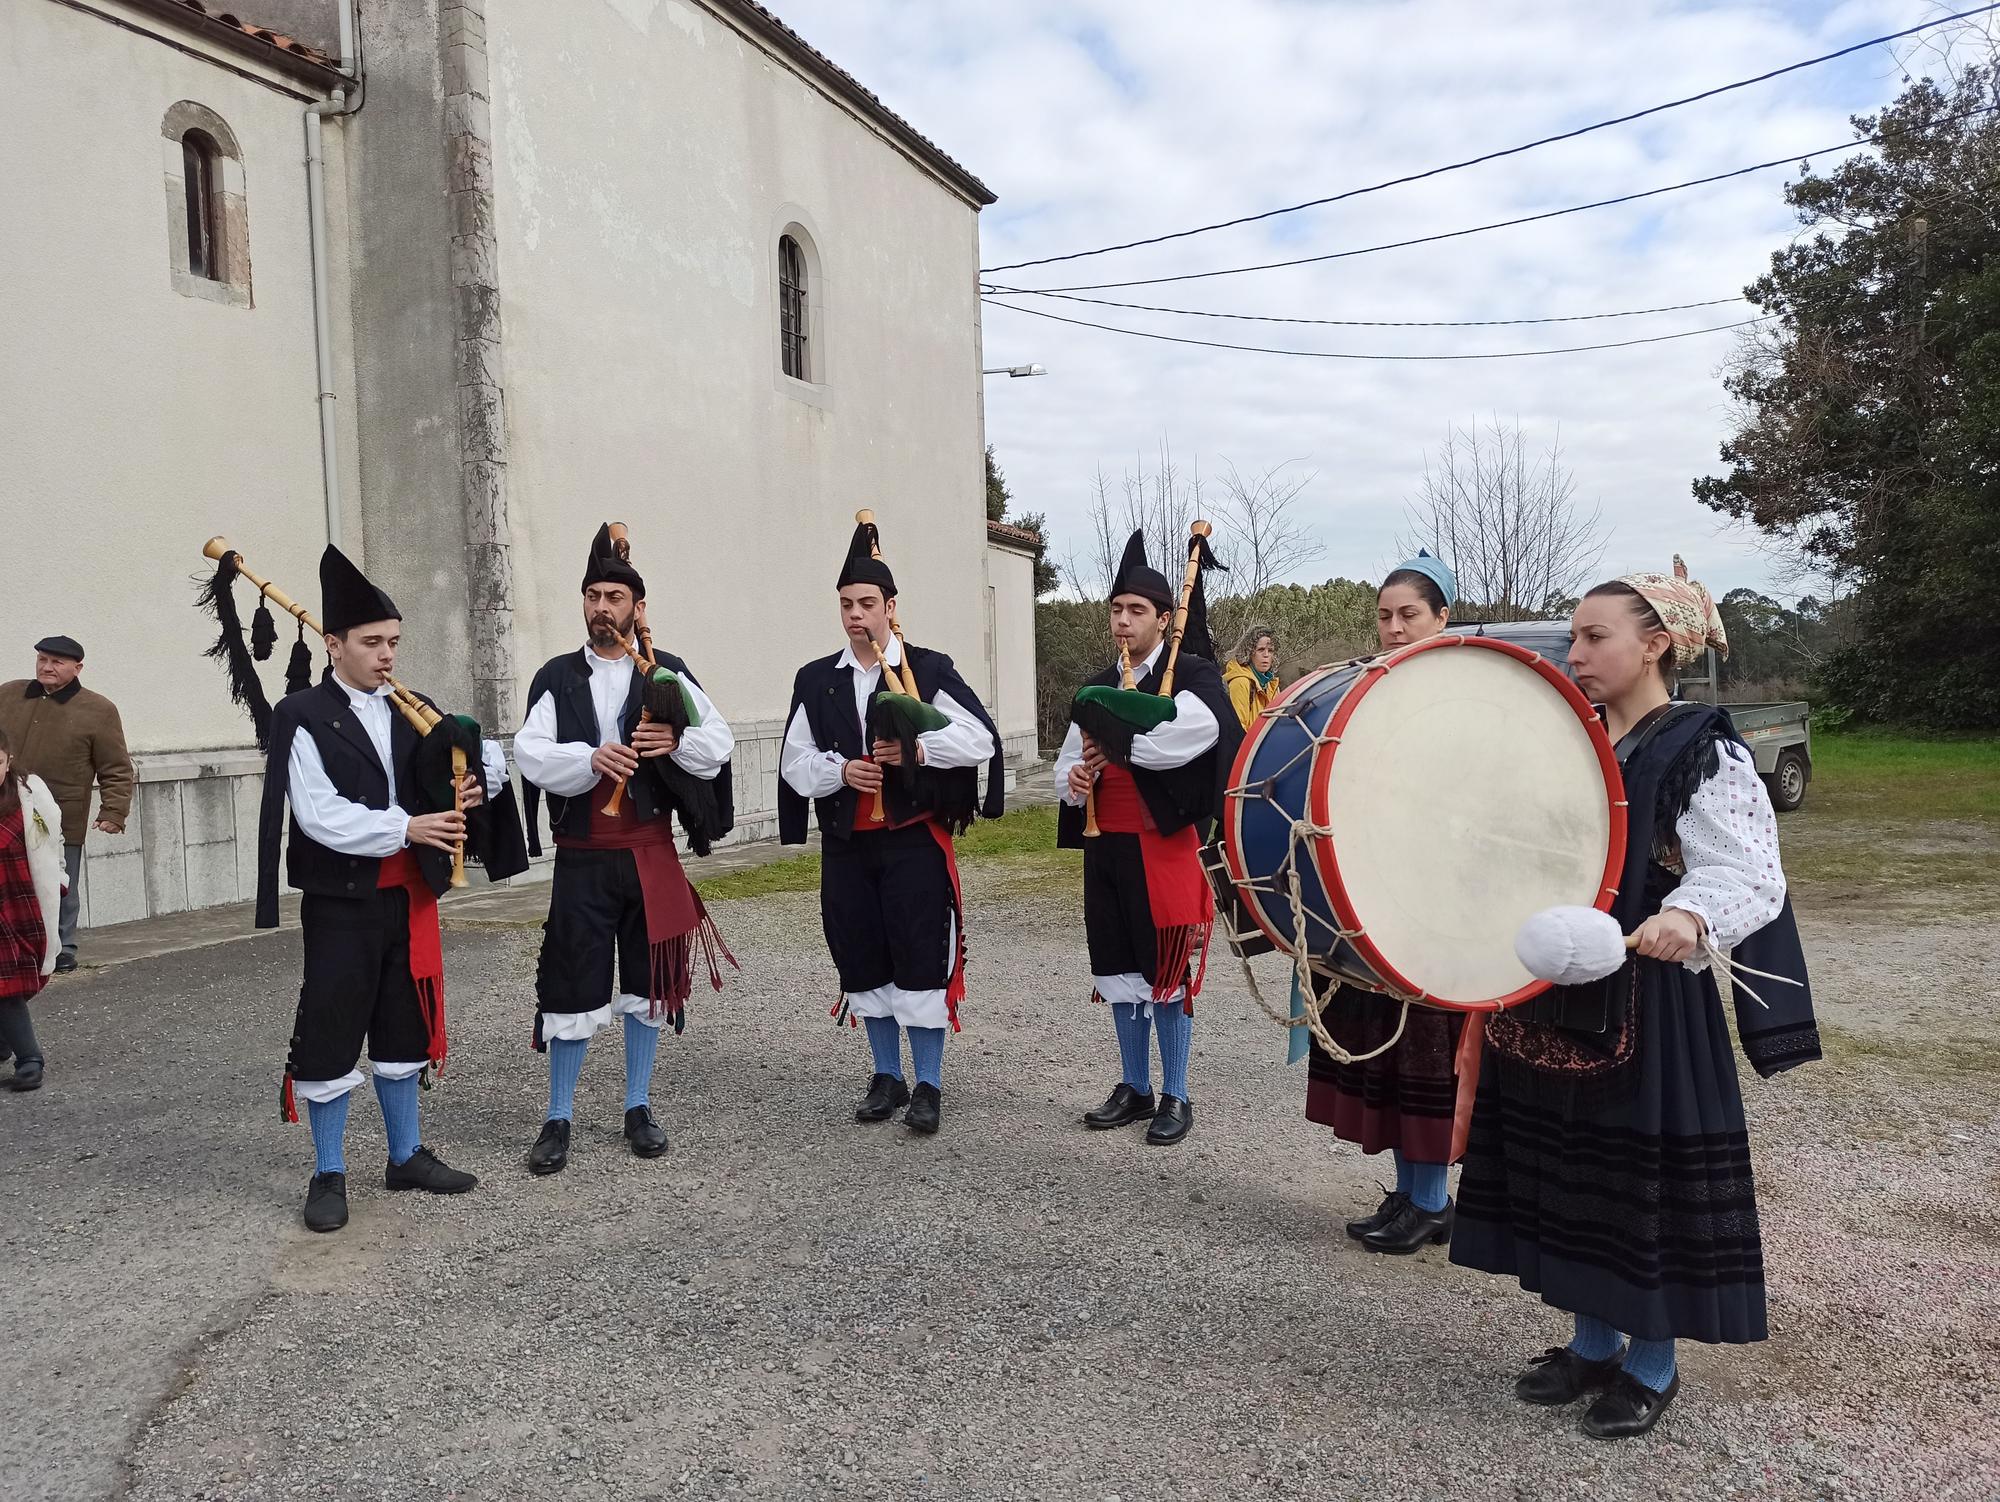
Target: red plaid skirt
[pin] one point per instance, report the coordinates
(23, 939)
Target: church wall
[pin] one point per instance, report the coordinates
(143, 410)
(647, 158)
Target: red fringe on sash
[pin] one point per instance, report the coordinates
(673, 966)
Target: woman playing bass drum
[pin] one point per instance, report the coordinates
(1608, 1167)
(1406, 1101)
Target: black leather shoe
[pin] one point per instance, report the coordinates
(923, 1113)
(551, 1150)
(27, 1075)
(1171, 1122)
(1629, 1407)
(65, 964)
(425, 1170)
(647, 1137)
(1385, 1212)
(326, 1202)
(886, 1095)
(1560, 1376)
(1410, 1230)
(1122, 1107)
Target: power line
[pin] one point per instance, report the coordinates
(1492, 156)
(992, 292)
(1480, 229)
(1323, 354)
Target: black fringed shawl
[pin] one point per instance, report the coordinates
(1675, 756)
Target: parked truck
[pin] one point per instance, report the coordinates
(1779, 735)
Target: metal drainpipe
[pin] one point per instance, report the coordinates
(329, 426)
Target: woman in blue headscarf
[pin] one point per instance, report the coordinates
(1414, 1100)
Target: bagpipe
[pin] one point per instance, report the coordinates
(665, 698)
(1111, 717)
(898, 714)
(447, 744)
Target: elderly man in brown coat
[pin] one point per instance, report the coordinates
(70, 738)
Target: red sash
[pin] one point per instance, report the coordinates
(1177, 892)
(426, 944)
(675, 917)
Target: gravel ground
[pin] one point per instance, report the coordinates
(791, 1305)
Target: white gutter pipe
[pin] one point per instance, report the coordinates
(329, 425)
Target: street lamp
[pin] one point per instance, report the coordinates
(1017, 370)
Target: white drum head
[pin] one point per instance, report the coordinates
(1468, 790)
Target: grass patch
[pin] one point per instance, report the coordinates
(1894, 818)
(797, 873)
(1022, 844)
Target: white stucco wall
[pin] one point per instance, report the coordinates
(646, 158)
(1010, 579)
(135, 421)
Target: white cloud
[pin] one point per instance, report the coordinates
(1105, 120)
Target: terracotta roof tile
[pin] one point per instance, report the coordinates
(1020, 536)
(276, 39)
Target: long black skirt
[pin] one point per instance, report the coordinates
(1615, 1181)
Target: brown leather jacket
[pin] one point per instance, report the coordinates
(71, 740)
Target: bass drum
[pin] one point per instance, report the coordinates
(1423, 804)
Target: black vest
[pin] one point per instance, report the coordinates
(824, 691)
(355, 769)
(660, 786)
(1176, 796)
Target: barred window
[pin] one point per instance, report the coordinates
(794, 349)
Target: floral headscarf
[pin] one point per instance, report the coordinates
(1686, 609)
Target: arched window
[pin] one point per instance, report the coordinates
(199, 156)
(794, 346)
(208, 221)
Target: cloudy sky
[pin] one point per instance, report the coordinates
(1098, 121)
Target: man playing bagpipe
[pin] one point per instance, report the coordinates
(886, 740)
(381, 813)
(620, 739)
(1140, 773)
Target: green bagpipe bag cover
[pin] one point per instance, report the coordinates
(1112, 716)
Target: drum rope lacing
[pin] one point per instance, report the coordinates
(1303, 968)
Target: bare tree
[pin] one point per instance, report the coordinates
(1506, 521)
(1259, 535)
(1160, 500)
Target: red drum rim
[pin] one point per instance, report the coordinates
(1232, 828)
(1318, 802)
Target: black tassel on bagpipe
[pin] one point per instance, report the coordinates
(232, 650)
(299, 671)
(263, 632)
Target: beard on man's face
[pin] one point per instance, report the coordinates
(606, 629)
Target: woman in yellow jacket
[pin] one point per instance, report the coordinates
(1251, 674)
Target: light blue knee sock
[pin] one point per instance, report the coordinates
(885, 1041)
(565, 1066)
(1176, 1030)
(399, 1115)
(1132, 1051)
(1595, 1340)
(1428, 1185)
(1651, 1362)
(328, 1120)
(927, 1053)
(1402, 1170)
(642, 1045)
